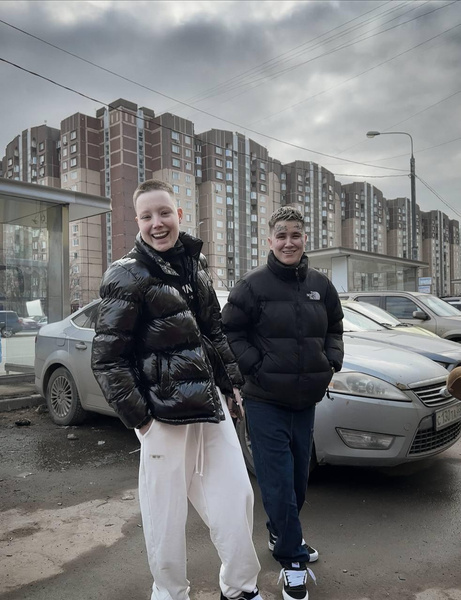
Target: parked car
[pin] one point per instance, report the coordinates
(358, 326)
(10, 323)
(453, 300)
(415, 308)
(29, 324)
(387, 406)
(385, 319)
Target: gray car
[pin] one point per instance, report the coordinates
(357, 325)
(386, 407)
(415, 308)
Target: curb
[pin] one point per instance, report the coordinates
(7, 404)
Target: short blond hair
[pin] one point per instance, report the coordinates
(285, 213)
(149, 186)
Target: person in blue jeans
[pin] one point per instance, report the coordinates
(283, 321)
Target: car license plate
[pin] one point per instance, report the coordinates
(447, 416)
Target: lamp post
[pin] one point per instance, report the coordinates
(414, 245)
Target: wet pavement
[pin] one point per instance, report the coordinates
(70, 523)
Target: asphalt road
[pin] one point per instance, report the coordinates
(70, 524)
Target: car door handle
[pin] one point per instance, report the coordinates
(80, 346)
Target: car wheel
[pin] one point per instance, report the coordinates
(7, 333)
(63, 400)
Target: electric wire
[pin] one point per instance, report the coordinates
(297, 146)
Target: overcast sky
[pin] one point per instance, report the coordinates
(317, 75)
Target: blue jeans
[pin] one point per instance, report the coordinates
(281, 442)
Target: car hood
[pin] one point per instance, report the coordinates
(399, 367)
(435, 348)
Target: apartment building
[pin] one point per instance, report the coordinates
(364, 218)
(227, 186)
(400, 230)
(310, 188)
(80, 172)
(437, 250)
(238, 192)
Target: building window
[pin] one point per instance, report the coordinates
(188, 192)
(75, 242)
(175, 149)
(176, 189)
(176, 162)
(176, 175)
(219, 224)
(64, 140)
(219, 175)
(188, 153)
(188, 166)
(219, 200)
(218, 150)
(219, 235)
(73, 148)
(73, 175)
(219, 162)
(175, 136)
(228, 176)
(64, 177)
(73, 135)
(73, 162)
(188, 218)
(64, 165)
(228, 164)
(187, 139)
(41, 147)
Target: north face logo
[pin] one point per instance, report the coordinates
(313, 296)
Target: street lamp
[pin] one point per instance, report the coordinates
(414, 244)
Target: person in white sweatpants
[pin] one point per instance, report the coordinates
(201, 462)
(165, 366)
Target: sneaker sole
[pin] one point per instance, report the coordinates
(312, 557)
(287, 596)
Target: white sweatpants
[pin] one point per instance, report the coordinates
(203, 463)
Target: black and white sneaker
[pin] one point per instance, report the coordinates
(313, 554)
(254, 595)
(294, 577)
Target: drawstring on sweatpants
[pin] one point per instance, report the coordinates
(200, 456)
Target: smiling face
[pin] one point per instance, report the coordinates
(287, 241)
(158, 219)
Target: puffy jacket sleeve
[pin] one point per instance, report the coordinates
(239, 315)
(210, 323)
(334, 346)
(113, 354)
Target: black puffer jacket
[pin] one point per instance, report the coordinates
(284, 325)
(152, 355)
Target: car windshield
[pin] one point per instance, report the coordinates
(353, 321)
(376, 314)
(438, 306)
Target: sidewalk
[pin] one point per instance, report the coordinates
(18, 391)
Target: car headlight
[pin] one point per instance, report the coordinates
(360, 384)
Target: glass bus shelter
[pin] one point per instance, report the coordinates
(34, 258)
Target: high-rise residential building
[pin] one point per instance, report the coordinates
(174, 159)
(227, 186)
(455, 258)
(364, 218)
(437, 250)
(33, 156)
(237, 194)
(399, 228)
(81, 172)
(310, 188)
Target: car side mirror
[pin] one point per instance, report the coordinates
(420, 314)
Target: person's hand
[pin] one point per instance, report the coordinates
(235, 405)
(145, 428)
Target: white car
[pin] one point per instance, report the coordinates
(387, 406)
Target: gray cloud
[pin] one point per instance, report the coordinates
(183, 49)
